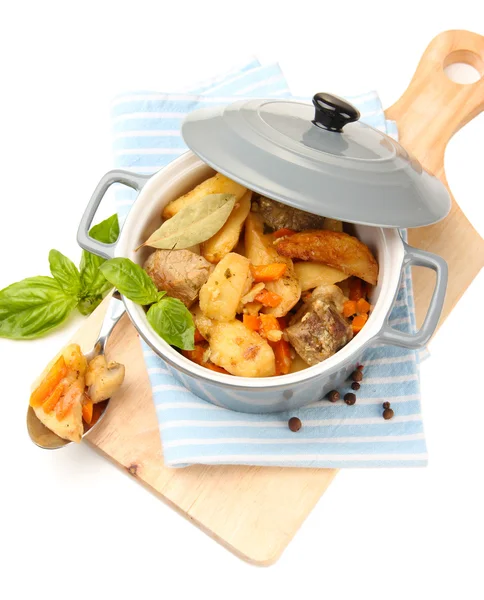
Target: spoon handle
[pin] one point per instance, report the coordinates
(114, 312)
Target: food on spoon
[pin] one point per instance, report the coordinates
(237, 349)
(314, 274)
(218, 184)
(103, 378)
(319, 330)
(87, 409)
(225, 240)
(221, 294)
(260, 250)
(280, 216)
(52, 377)
(180, 273)
(60, 400)
(338, 250)
(65, 420)
(57, 399)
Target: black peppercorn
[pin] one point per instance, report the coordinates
(334, 396)
(294, 424)
(386, 405)
(388, 413)
(357, 376)
(355, 385)
(350, 399)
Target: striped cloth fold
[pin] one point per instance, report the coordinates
(146, 130)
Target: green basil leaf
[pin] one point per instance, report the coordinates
(193, 224)
(32, 307)
(130, 280)
(172, 321)
(106, 231)
(94, 286)
(65, 272)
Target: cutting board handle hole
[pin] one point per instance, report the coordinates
(463, 66)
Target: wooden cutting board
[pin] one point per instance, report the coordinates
(255, 511)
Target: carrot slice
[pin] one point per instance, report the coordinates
(49, 383)
(358, 322)
(196, 355)
(51, 402)
(349, 308)
(284, 232)
(87, 409)
(268, 323)
(268, 272)
(267, 298)
(251, 322)
(362, 306)
(282, 352)
(356, 289)
(199, 337)
(97, 411)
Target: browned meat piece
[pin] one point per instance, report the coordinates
(180, 273)
(279, 216)
(319, 330)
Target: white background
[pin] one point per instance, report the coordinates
(70, 522)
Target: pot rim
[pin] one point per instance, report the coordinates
(392, 258)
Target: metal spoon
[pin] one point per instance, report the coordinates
(39, 433)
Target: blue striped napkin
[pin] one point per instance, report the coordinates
(146, 129)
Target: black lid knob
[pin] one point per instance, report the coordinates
(333, 113)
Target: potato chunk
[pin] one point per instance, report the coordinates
(225, 240)
(103, 378)
(236, 348)
(312, 274)
(338, 250)
(220, 296)
(75, 359)
(260, 250)
(218, 184)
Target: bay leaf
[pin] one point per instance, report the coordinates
(193, 224)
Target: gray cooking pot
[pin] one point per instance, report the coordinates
(310, 161)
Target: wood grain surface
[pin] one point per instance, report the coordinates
(255, 511)
(429, 113)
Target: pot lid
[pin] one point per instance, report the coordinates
(320, 159)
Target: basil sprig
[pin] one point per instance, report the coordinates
(169, 317)
(94, 286)
(130, 280)
(65, 272)
(34, 306)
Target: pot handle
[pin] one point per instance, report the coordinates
(132, 180)
(421, 258)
